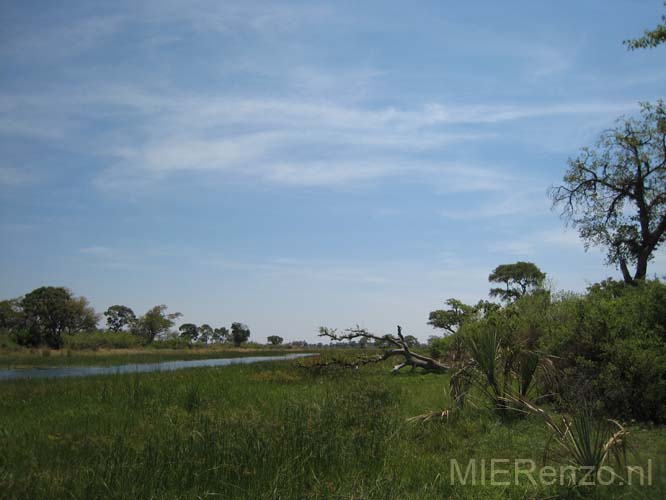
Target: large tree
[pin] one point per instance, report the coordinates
(239, 333)
(275, 339)
(615, 194)
(205, 333)
(155, 322)
(220, 334)
(119, 317)
(51, 311)
(189, 331)
(517, 280)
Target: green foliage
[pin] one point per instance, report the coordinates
(101, 340)
(205, 333)
(119, 317)
(609, 348)
(614, 193)
(189, 331)
(441, 347)
(154, 323)
(11, 315)
(583, 441)
(220, 334)
(275, 339)
(8, 340)
(610, 345)
(273, 431)
(518, 280)
(650, 38)
(239, 333)
(452, 318)
(49, 312)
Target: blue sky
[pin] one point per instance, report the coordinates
(296, 164)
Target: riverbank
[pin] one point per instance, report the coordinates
(37, 358)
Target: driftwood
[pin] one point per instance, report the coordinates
(399, 347)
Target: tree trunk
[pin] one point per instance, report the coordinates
(625, 272)
(641, 266)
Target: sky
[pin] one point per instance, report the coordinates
(296, 164)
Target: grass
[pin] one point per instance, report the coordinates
(269, 430)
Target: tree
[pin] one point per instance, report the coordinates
(155, 322)
(275, 339)
(11, 314)
(119, 317)
(239, 333)
(190, 331)
(220, 334)
(452, 318)
(205, 333)
(615, 194)
(518, 279)
(50, 312)
(397, 346)
(650, 38)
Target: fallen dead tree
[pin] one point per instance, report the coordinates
(398, 347)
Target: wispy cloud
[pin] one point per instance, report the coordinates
(513, 199)
(540, 241)
(286, 141)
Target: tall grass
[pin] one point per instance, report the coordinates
(271, 430)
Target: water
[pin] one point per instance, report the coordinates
(84, 371)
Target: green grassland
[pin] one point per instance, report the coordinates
(268, 430)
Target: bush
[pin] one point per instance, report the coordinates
(101, 340)
(172, 343)
(8, 341)
(609, 343)
(612, 343)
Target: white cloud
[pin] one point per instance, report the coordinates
(282, 140)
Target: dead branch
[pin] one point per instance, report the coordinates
(400, 348)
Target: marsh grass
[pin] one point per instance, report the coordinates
(270, 430)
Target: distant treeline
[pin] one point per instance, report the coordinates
(49, 314)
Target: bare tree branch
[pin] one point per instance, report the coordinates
(402, 349)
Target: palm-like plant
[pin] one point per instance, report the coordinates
(498, 367)
(582, 441)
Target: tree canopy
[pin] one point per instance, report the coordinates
(119, 317)
(239, 333)
(190, 331)
(518, 279)
(155, 322)
(205, 333)
(220, 334)
(50, 311)
(275, 339)
(615, 193)
(452, 318)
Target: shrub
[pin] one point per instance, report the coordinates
(612, 343)
(101, 340)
